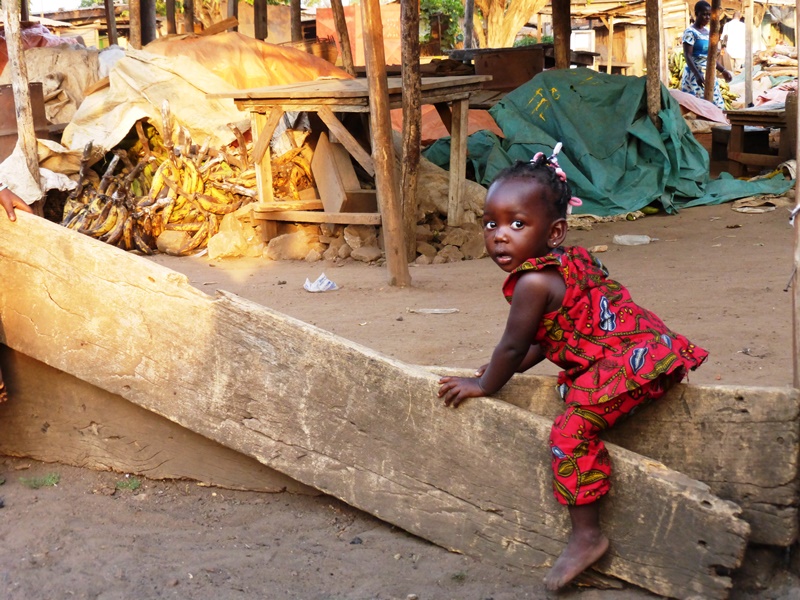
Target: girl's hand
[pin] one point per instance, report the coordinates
(10, 201)
(481, 370)
(455, 390)
(727, 75)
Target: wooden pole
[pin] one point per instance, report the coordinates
(748, 53)
(24, 14)
(344, 36)
(260, 19)
(296, 20)
(26, 133)
(652, 31)
(562, 28)
(233, 11)
(412, 117)
(172, 26)
(663, 51)
(147, 20)
(713, 50)
(135, 23)
(111, 22)
(469, 15)
(610, 26)
(795, 284)
(188, 16)
(382, 147)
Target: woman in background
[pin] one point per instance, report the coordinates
(695, 50)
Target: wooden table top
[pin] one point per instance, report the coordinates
(353, 89)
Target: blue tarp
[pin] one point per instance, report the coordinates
(614, 157)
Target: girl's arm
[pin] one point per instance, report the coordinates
(687, 54)
(533, 292)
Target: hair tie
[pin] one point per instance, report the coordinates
(538, 158)
(574, 201)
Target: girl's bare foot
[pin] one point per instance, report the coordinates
(582, 551)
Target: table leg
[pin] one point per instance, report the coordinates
(458, 162)
(736, 145)
(263, 167)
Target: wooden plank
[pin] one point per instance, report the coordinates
(91, 428)
(342, 418)
(346, 139)
(226, 23)
(327, 175)
(742, 441)
(458, 163)
(361, 201)
(271, 119)
(282, 205)
(304, 216)
(260, 121)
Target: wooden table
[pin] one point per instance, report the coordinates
(738, 157)
(450, 95)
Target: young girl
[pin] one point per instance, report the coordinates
(616, 355)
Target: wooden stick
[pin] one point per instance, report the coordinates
(188, 16)
(713, 50)
(344, 36)
(652, 31)
(412, 117)
(111, 21)
(748, 54)
(135, 23)
(26, 133)
(382, 147)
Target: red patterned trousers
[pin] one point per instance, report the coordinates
(581, 464)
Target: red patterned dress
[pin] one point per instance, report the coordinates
(616, 357)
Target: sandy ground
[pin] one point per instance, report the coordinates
(713, 274)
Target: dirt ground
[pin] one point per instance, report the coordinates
(715, 275)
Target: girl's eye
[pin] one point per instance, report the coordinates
(489, 225)
(517, 225)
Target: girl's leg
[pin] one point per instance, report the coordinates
(585, 546)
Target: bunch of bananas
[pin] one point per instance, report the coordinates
(676, 62)
(179, 188)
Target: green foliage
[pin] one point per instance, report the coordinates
(447, 13)
(90, 3)
(35, 483)
(272, 2)
(129, 483)
(530, 40)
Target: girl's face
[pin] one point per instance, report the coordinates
(702, 17)
(518, 223)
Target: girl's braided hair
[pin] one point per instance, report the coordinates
(545, 169)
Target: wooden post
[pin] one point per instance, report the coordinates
(382, 147)
(412, 117)
(795, 284)
(296, 20)
(135, 23)
(562, 28)
(713, 50)
(748, 54)
(653, 33)
(24, 11)
(260, 19)
(233, 11)
(147, 19)
(26, 133)
(111, 21)
(610, 58)
(188, 16)
(344, 36)
(172, 26)
(663, 51)
(469, 12)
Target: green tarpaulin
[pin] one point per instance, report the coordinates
(614, 157)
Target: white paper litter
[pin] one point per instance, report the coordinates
(432, 311)
(322, 284)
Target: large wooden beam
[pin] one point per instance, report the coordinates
(742, 441)
(382, 146)
(54, 417)
(111, 21)
(342, 418)
(346, 49)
